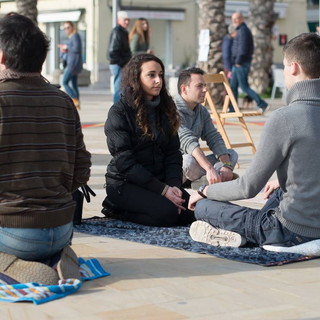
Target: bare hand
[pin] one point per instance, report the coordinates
(213, 176)
(63, 47)
(174, 194)
(194, 198)
(270, 187)
(226, 174)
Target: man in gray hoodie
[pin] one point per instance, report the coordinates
(289, 146)
(196, 123)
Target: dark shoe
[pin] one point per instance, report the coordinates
(111, 211)
(264, 109)
(68, 266)
(187, 184)
(25, 271)
(235, 176)
(202, 231)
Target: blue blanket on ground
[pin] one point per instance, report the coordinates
(179, 238)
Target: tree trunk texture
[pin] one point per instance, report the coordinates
(211, 16)
(261, 20)
(28, 8)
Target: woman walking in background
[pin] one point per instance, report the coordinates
(72, 53)
(139, 37)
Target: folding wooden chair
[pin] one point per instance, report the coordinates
(220, 117)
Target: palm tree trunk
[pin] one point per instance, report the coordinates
(261, 20)
(211, 16)
(28, 8)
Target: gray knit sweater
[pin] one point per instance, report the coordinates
(196, 124)
(289, 145)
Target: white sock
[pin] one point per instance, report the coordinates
(310, 248)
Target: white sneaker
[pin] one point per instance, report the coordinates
(202, 231)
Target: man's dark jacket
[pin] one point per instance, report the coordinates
(119, 49)
(242, 46)
(226, 52)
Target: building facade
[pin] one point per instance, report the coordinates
(174, 26)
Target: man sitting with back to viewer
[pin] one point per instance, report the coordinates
(43, 161)
(196, 123)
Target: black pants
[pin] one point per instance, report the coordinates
(260, 227)
(145, 207)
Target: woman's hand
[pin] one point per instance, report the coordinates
(174, 194)
(270, 187)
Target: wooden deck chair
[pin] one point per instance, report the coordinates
(220, 117)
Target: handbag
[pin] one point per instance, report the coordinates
(78, 197)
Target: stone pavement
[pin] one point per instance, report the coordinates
(149, 282)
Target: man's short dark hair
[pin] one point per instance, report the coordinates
(23, 44)
(185, 76)
(305, 50)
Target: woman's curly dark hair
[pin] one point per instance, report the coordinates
(133, 92)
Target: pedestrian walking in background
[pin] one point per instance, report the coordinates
(139, 37)
(242, 51)
(72, 55)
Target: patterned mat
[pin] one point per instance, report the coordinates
(178, 238)
(39, 293)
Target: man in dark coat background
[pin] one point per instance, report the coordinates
(119, 52)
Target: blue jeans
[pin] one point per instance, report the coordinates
(116, 71)
(72, 90)
(240, 78)
(35, 244)
(260, 227)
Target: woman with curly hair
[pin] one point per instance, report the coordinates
(139, 37)
(144, 176)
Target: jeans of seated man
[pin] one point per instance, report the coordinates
(35, 244)
(257, 226)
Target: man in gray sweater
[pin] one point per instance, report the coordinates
(289, 146)
(196, 123)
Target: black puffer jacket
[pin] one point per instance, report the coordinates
(119, 49)
(138, 159)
